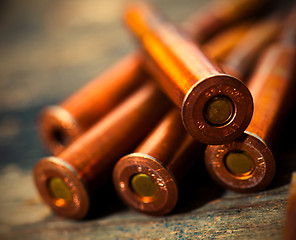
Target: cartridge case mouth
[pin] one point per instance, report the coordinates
(217, 109)
(244, 165)
(147, 170)
(61, 188)
(58, 128)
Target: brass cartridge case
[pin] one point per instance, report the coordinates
(147, 180)
(60, 125)
(247, 164)
(66, 182)
(168, 148)
(215, 107)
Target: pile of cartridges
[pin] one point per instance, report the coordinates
(213, 89)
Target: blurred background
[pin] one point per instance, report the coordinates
(48, 50)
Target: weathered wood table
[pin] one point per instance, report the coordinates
(48, 50)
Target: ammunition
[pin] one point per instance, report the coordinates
(66, 182)
(60, 125)
(137, 178)
(147, 179)
(215, 107)
(247, 164)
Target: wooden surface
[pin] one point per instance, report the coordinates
(48, 50)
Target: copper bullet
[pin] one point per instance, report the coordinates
(215, 107)
(240, 59)
(289, 230)
(147, 180)
(60, 125)
(247, 164)
(219, 15)
(66, 182)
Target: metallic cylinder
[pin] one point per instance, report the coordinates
(215, 107)
(247, 164)
(60, 125)
(147, 179)
(66, 182)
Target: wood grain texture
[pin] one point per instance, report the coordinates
(48, 50)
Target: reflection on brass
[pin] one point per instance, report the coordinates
(219, 110)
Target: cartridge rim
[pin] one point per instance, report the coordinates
(198, 98)
(58, 128)
(258, 178)
(165, 197)
(75, 206)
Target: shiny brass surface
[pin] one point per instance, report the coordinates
(272, 85)
(147, 180)
(62, 124)
(83, 164)
(87, 164)
(188, 77)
